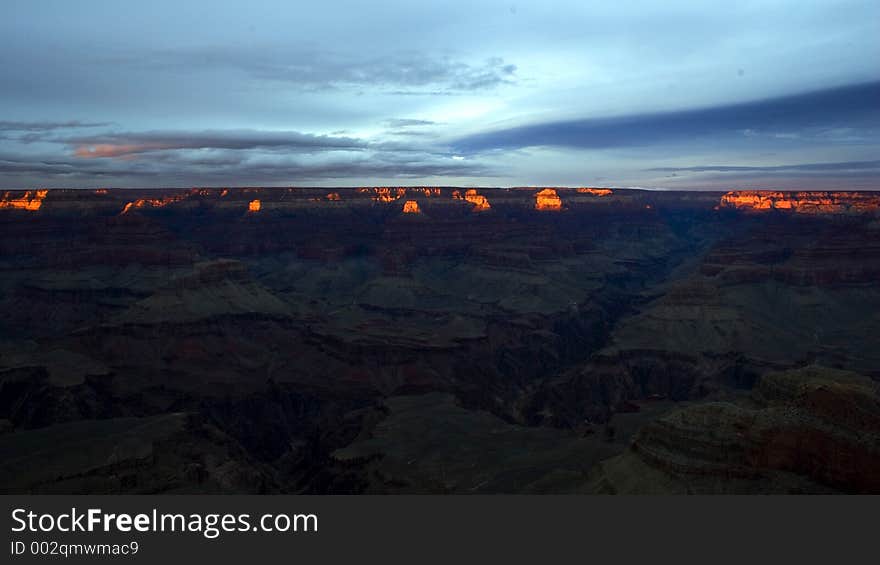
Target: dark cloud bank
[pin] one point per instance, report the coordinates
(854, 108)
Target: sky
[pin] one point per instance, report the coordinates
(666, 94)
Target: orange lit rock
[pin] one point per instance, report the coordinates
(752, 200)
(31, 201)
(548, 199)
(388, 194)
(480, 202)
(596, 191)
(253, 206)
(152, 202)
(411, 207)
(801, 202)
(333, 196)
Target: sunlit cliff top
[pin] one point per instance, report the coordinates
(417, 200)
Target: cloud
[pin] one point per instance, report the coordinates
(32, 132)
(6, 125)
(411, 128)
(223, 159)
(402, 73)
(26, 173)
(851, 175)
(129, 145)
(407, 123)
(303, 68)
(851, 108)
(804, 168)
(38, 171)
(365, 168)
(228, 156)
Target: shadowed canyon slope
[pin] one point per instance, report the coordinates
(439, 340)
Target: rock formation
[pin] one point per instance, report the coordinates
(411, 207)
(807, 430)
(801, 202)
(216, 350)
(596, 191)
(31, 200)
(548, 199)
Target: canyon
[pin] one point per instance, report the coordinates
(439, 340)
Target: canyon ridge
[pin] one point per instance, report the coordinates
(439, 340)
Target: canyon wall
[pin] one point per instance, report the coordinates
(256, 332)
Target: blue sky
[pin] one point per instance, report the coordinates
(747, 94)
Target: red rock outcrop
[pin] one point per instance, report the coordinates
(596, 191)
(548, 199)
(385, 194)
(802, 202)
(31, 200)
(480, 202)
(411, 207)
(153, 202)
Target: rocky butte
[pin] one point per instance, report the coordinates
(480, 202)
(411, 207)
(548, 199)
(635, 341)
